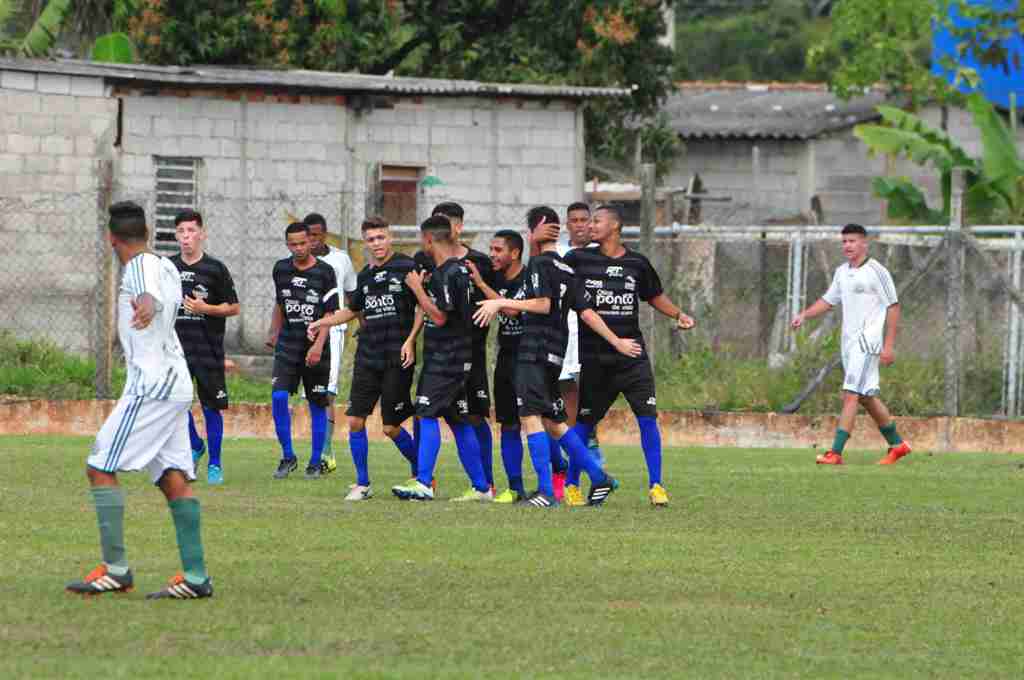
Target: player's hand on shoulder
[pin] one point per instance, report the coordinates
(474, 273)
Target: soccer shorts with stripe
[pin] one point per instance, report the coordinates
(391, 386)
(861, 370)
(602, 383)
(337, 340)
(144, 434)
(537, 391)
(506, 411)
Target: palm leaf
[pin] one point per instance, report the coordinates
(43, 34)
(1000, 163)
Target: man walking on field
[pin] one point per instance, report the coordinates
(871, 315)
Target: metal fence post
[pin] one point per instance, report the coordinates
(649, 208)
(954, 293)
(105, 292)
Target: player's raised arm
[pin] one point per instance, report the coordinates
(414, 280)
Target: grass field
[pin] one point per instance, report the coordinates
(764, 566)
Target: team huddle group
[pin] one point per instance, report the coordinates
(569, 345)
(567, 331)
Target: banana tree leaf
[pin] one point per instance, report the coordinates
(903, 120)
(906, 201)
(114, 48)
(43, 34)
(1000, 163)
(896, 142)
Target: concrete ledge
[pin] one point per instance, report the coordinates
(756, 430)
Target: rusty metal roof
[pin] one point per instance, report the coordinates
(301, 80)
(764, 110)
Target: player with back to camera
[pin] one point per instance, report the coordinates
(209, 297)
(305, 290)
(618, 278)
(871, 316)
(148, 428)
(386, 351)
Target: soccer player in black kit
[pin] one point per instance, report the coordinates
(306, 290)
(617, 279)
(478, 399)
(386, 353)
(550, 290)
(447, 305)
(208, 298)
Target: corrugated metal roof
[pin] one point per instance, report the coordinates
(322, 81)
(764, 110)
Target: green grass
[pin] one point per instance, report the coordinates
(764, 566)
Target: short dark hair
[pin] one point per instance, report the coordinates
(449, 209)
(854, 229)
(295, 228)
(315, 218)
(188, 216)
(541, 214)
(513, 239)
(437, 226)
(374, 222)
(128, 221)
(613, 209)
(578, 205)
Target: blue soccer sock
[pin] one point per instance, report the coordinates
(469, 455)
(359, 444)
(581, 456)
(512, 458)
(214, 433)
(540, 454)
(558, 462)
(318, 425)
(407, 447)
(193, 435)
(485, 439)
(429, 438)
(572, 476)
(282, 422)
(650, 440)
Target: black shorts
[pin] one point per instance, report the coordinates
(537, 391)
(601, 384)
(506, 411)
(211, 386)
(314, 379)
(440, 395)
(478, 393)
(390, 385)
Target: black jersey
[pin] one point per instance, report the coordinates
(448, 349)
(304, 296)
(202, 336)
(545, 335)
(616, 285)
(483, 265)
(389, 309)
(510, 328)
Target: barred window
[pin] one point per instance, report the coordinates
(176, 190)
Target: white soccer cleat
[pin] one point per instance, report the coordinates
(358, 492)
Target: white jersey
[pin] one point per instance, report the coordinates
(153, 355)
(345, 274)
(866, 293)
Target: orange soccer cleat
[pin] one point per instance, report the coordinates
(829, 458)
(895, 453)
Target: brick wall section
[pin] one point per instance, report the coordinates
(54, 130)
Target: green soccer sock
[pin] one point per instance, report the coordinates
(185, 512)
(109, 501)
(328, 437)
(842, 436)
(890, 434)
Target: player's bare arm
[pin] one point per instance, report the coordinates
(817, 309)
(478, 281)
(196, 306)
(626, 346)
(408, 354)
(328, 320)
(145, 306)
(316, 352)
(488, 309)
(414, 280)
(276, 322)
(666, 307)
(892, 322)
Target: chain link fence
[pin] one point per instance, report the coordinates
(742, 283)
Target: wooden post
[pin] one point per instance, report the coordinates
(649, 207)
(954, 293)
(106, 294)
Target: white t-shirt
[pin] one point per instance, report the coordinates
(153, 355)
(866, 293)
(344, 272)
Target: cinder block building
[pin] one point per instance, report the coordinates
(248, 147)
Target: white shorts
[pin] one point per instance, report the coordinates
(861, 371)
(337, 340)
(571, 361)
(144, 434)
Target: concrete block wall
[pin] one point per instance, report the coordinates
(54, 131)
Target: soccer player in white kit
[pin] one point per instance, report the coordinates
(148, 428)
(871, 315)
(345, 274)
